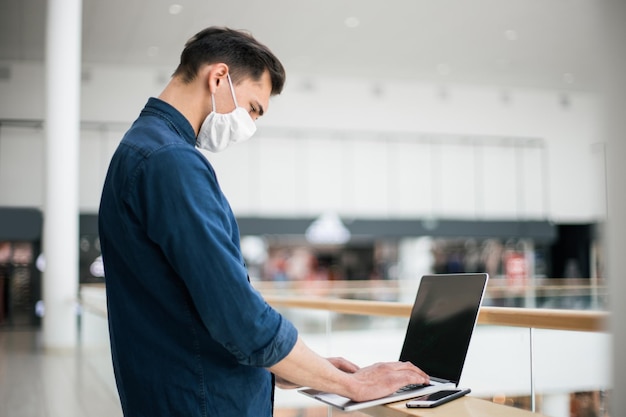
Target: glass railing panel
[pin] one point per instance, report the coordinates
(498, 366)
(545, 370)
(572, 372)
(501, 360)
(549, 293)
(531, 369)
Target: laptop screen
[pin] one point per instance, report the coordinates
(441, 324)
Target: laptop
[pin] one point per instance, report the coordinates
(437, 338)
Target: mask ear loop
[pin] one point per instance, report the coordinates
(232, 90)
(213, 103)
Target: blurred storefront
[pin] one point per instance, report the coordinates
(283, 250)
(20, 279)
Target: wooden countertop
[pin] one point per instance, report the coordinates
(463, 407)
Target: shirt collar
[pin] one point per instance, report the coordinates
(175, 118)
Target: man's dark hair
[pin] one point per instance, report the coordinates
(244, 55)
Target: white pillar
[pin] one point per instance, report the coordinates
(613, 24)
(60, 239)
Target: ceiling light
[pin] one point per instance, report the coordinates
(175, 9)
(254, 249)
(327, 229)
(153, 51)
(377, 90)
(511, 35)
(505, 96)
(352, 22)
(443, 69)
(96, 268)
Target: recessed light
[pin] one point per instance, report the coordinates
(568, 78)
(175, 9)
(565, 101)
(352, 22)
(444, 69)
(511, 35)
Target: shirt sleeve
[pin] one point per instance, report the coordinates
(189, 219)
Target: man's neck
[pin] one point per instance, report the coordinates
(189, 99)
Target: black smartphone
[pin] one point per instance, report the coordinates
(437, 398)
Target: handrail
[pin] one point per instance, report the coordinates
(92, 299)
(588, 321)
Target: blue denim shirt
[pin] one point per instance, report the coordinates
(189, 335)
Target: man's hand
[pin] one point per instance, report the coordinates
(303, 367)
(343, 365)
(382, 379)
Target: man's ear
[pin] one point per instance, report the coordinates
(216, 72)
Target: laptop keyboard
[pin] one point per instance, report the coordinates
(411, 387)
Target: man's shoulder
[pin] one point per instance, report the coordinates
(151, 133)
(150, 149)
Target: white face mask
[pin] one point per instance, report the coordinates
(219, 130)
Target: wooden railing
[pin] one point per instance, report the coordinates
(589, 321)
(578, 320)
(329, 295)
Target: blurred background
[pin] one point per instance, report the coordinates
(412, 137)
(477, 124)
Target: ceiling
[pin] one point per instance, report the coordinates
(551, 44)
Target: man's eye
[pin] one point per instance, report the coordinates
(252, 109)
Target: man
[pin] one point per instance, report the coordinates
(189, 334)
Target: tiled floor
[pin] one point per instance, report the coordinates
(34, 383)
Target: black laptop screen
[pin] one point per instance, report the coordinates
(442, 322)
